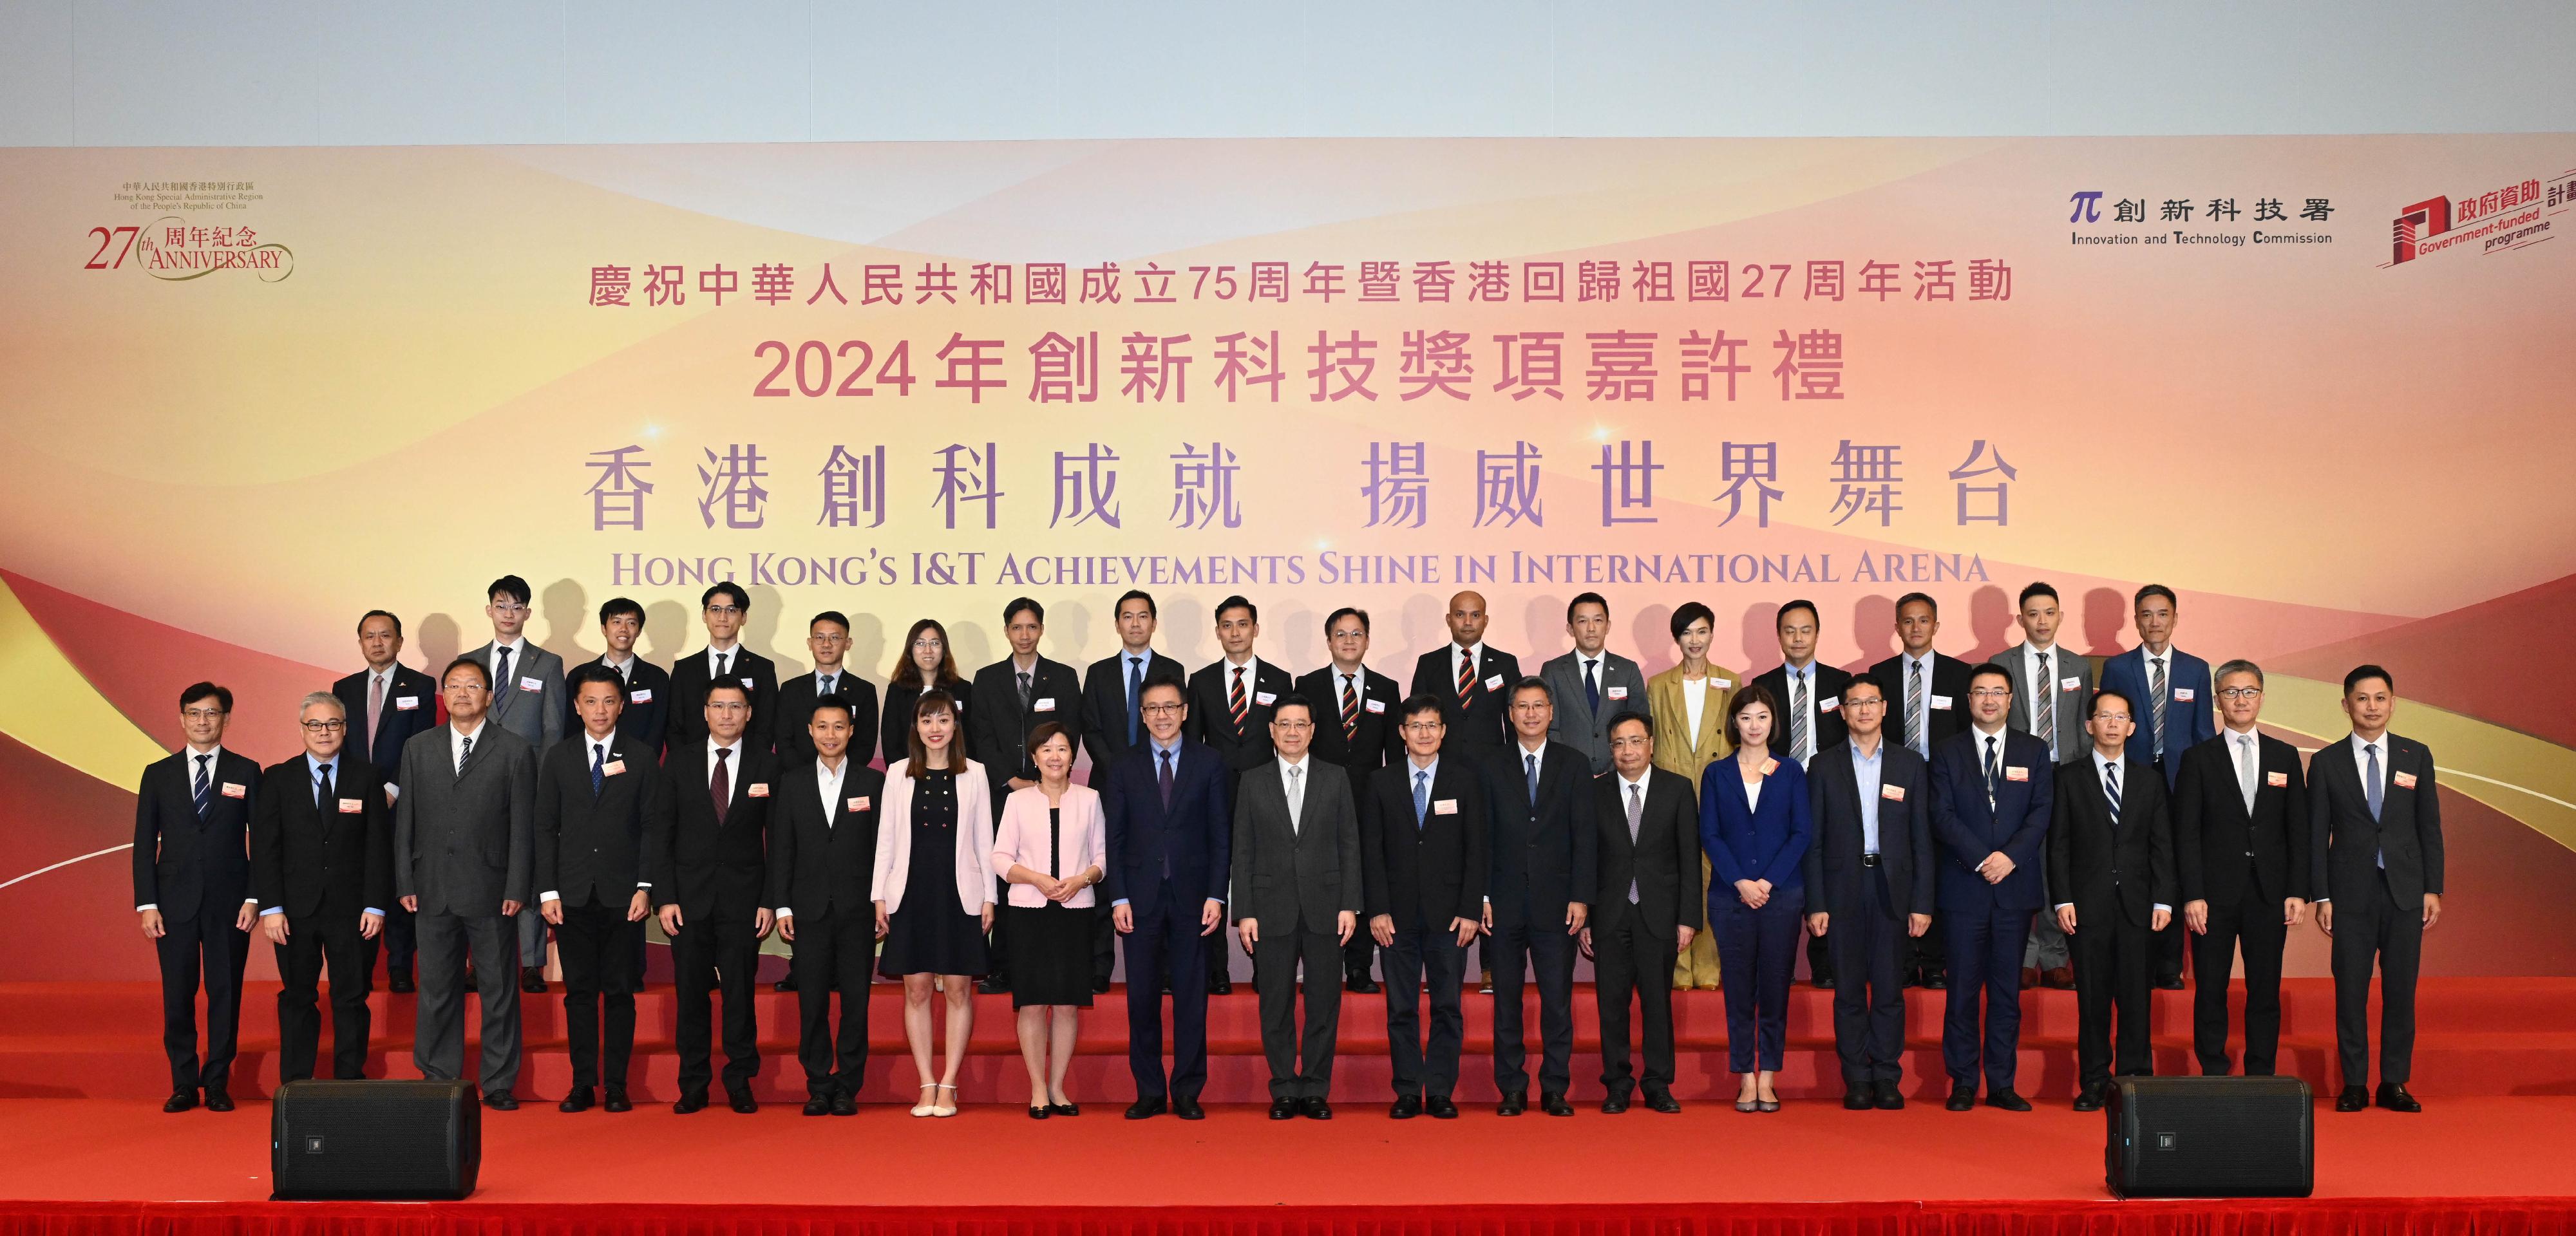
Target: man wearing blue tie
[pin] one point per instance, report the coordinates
(1169, 819)
(1991, 798)
(2174, 713)
(1113, 724)
(192, 892)
(2377, 820)
(1424, 829)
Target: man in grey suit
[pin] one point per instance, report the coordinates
(1592, 685)
(1296, 875)
(2052, 690)
(527, 700)
(464, 843)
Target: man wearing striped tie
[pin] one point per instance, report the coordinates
(1356, 728)
(2111, 870)
(192, 891)
(1230, 703)
(2175, 714)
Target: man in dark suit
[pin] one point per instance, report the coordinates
(1545, 855)
(192, 892)
(2173, 712)
(1927, 701)
(1591, 683)
(1811, 719)
(1647, 909)
(1168, 816)
(387, 703)
(1356, 730)
(2110, 866)
(1472, 682)
(710, 883)
(2376, 838)
(464, 858)
(1992, 793)
(822, 855)
(724, 608)
(1230, 703)
(1297, 897)
(1869, 887)
(599, 797)
(646, 717)
(2050, 686)
(1424, 831)
(1113, 724)
(2241, 838)
(527, 700)
(827, 638)
(1011, 697)
(321, 845)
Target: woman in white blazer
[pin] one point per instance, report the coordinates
(935, 843)
(1053, 847)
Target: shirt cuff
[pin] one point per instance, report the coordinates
(2062, 905)
(250, 901)
(643, 884)
(1120, 902)
(272, 910)
(2166, 908)
(549, 895)
(141, 908)
(2318, 901)
(784, 912)
(372, 910)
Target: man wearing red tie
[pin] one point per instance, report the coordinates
(1230, 705)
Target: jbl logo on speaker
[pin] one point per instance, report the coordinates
(312, 1144)
(2164, 1141)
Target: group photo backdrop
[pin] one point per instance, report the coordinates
(2314, 385)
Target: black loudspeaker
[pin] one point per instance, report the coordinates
(2211, 1137)
(410, 1140)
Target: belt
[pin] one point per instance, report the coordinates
(1868, 860)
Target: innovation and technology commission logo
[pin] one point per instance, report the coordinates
(2501, 220)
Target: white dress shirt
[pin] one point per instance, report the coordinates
(828, 780)
(457, 738)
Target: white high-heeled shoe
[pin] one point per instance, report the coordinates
(925, 1107)
(948, 1108)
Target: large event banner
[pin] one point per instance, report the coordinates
(2318, 386)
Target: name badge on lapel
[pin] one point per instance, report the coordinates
(353, 806)
(2182, 695)
(2404, 780)
(859, 803)
(1829, 705)
(1719, 683)
(612, 768)
(2278, 780)
(1265, 698)
(1615, 693)
(1769, 767)
(1047, 704)
(235, 789)
(1892, 793)
(642, 695)
(2016, 773)
(1941, 702)
(2069, 684)
(1444, 806)
(758, 789)
(1373, 705)
(1494, 683)
(406, 703)
(532, 684)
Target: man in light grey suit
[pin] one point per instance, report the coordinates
(527, 700)
(464, 837)
(2052, 690)
(1591, 684)
(1297, 893)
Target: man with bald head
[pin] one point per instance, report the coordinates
(1472, 682)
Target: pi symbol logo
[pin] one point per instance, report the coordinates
(2421, 221)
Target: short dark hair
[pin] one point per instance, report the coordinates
(741, 599)
(1045, 730)
(386, 614)
(480, 670)
(1584, 598)
(2035, 588)
(1690, 612)
(1752, 694)
(835, 702)
(1345, 612)
(1865, 678)
(1165, 678)
(1529, 682)
(1912, 597)
(1017, 604)
(1800, 603)
(1629, 715)
(197, 691)
(2363, 671)
(2093, 707)
(932, 700)
(1135, 594)
(592, 671)
(510, 586)
(833, 616)
(1292, 700)
(1237, 601)
(1416, 705)
(1989, 670)
(730, 684)
(2155, 590)
(621, 605)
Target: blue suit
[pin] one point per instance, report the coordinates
(1756, 949)
(1166, 862)
(1985, 926)
(2188, 722)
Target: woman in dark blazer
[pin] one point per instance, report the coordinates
(927, 664)
(1754, 824)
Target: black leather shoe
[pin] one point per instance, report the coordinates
(1616, 1103)
(2352, 1099)
(532, 980)
(1405, 1107)
(744, 1103)
(1554, 1104)
(1285, 1109)
(1221, 987)
(400, 983)
(616, 1101)
(1963, 1097)
(992, 987)
(577, 1101)
(2007, 1100)
(1890, 1099)
(218, 1101)
(2090, 1100)
(1142, 1108)
(1363, 985)
(2391, 1096)
(501, 1101)
(1822, 982)
(818, 1106)
(1512, 1104)
(1664, 1102)
(845, 1104)
(1315, 1108)
(695, 1100)
(1100, 986)
(1936, 980)
(2169, 982)
(782, 986)
(1064, 1109)
(180, 1101)
(1441, 1107)
(1188, 1109)
(1859, 1099)
(1039, 1112)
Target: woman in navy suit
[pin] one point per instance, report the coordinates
(1754, 824)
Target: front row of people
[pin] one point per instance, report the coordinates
(1868, 845)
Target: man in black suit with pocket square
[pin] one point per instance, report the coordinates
(387, 704)
(1869, 887)
(192, 892)
(821, 856)
(2376, 851)
(1647, 908)
(1424, 836)
(1355, 728)
(2241, 834)
(2111, 870)
(321, 846)
(711, 884)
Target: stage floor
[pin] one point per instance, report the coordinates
(994, 1156)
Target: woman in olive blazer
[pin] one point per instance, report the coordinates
(1685, 749)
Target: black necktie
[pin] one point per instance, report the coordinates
(2111, 790)
(322, 790)
(1991, 774)
(500, 677)
(598, 753)
(1591, 683)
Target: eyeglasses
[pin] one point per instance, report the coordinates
(1867, 703)
(1293, 726)
(724, 611)
(2240, 693)
(2121, 717)
(1156, 710)
(1990, 693)
(202, 714)
(1421, 727)
(323, 727)
(508, 607)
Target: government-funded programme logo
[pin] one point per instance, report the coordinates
(2506, 218)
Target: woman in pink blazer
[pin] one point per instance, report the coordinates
(935, 843)
(1052, 847)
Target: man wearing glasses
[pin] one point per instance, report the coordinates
(2111, 873)
(1169, 818)
(192, 892)
(1297, 889)
(528, 700)
(1424, 831)
(724, 608)
(2241, 854)
(321, 846)
(1992, 791)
